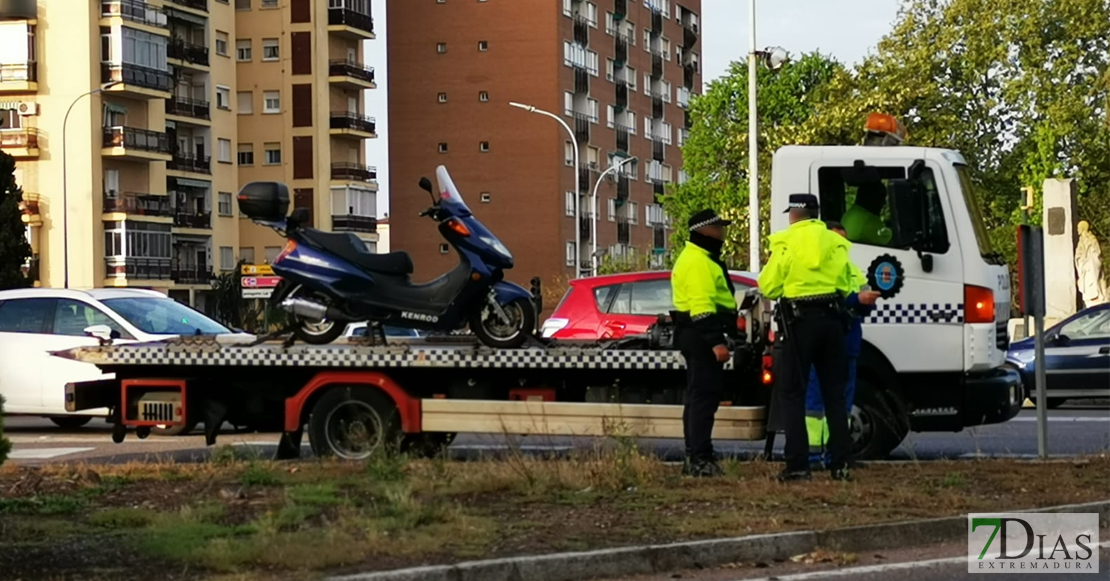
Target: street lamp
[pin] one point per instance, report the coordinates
(577, 216)
(65, 182)
(613, 168)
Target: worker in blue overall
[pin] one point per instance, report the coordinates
(859, 304)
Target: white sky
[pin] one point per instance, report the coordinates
(845, 29)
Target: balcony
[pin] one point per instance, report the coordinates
(137, 81)
(19, 77)
(584, 224)
(656, 21)
(190, 164)
(581, 30)
(349, 23)
(585, 183)
(622, 138)
(201, 5)
(689, 32)
(351, 75)
(622, 188)
(621, 55)
(620, 9)
(354, 172)
(656, 105)
(350, 223)
(20, 143)
(29, 208)
(186, 52)
(352, 125)
(189, 108)
(659, 237)
(657, 149)
(581, 81)
(659, 188)
(582, 127)
(656, 64)
(689, 75)
(136, 144)
(687, 119)
(134, 14)
(121, 268)
(197, 220)
(624, 232)
(138, 205)
(622, 95)
(192, 274)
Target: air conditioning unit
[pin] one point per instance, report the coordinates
(28, 109)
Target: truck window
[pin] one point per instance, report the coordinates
(861, 206)
(974, 204)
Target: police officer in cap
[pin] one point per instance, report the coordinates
(704, 316)
(810, 274)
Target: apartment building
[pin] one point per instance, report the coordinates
(168, 108)
(619, 73)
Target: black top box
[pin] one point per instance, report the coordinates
(264, 201)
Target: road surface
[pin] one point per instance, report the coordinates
(1073, 430)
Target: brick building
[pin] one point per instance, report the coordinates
(618, 72)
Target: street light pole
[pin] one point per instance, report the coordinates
(597, 210)
(577, 170)
(753, 147)
(65, 182)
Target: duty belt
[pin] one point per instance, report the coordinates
(815, 300)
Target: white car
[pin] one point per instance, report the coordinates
(35, 322)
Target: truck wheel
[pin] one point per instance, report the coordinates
(70, 422)
(494, 332)
(877, 428)
(178, 430)
(353, 423)
(428, 445)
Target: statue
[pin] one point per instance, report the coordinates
(1088, 265)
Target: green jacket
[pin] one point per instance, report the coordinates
(862, 226)
(808, 259)
(699, 288)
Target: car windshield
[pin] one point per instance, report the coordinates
(449, 194)
(164, 317)
(974, 203)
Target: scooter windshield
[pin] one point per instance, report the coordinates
(449, 194)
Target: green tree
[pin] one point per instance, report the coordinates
(14, 250)
(715, 157)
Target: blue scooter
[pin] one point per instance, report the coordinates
(331, 279)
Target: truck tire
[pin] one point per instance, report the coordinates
(70, 422)
(878, 424)
(353, 423)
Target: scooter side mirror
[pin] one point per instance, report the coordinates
(426, 185)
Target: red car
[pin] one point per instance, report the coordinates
(613, 306)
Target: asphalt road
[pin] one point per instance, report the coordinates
(1073, 430)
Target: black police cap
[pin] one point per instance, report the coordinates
(807, 201)
(706, 218)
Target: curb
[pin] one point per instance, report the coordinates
(650, 559)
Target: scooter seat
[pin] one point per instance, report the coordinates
(352, 249)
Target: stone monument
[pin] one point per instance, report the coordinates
(1088, 267)
(1060, 237)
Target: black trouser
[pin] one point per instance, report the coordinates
(816, 338)
(705, 383)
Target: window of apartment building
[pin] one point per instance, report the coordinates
(483, 96)
(271, 102)
(269, 3)
(243, 50)
(441, 47)
(630, 76)
(353, 201)
(246, 254)
(223, 97)
(571, 252)
(486, 197)
(568, 104)
(245, 101)
(568, 150)
(138, 240)
(632, 123)
(270, 49)
(612, 213)
(243, 5)
(647, 84)
(483, 146)
(609, 66)
(443, 147)
(593, 154)
(591, 109)
(246, 154)
(137, 48)
(224, 150)
(483, 45)
(223, 205)
(630, 32)
(271, 253)
(610, 24)
(570, 203)
(647, 128)
(633, 212)
(227, 258)
(666, 91)
(591, 62)
(647, 40)
(591, 14)
(442, 97)
(666, 48)
(611, 117)
(567, 7)
(272, 153)
(221, 43)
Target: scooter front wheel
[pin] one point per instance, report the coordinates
(509, 328)
(318, 332)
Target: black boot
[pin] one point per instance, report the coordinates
(841, 474)
(701, 468)
(794, 476)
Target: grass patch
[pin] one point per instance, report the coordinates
(43, 505)
(121, 518)
(322, 494)
(258, 475)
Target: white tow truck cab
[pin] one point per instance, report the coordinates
(933, 352)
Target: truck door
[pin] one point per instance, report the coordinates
(920, 329)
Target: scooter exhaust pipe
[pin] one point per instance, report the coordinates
(305, 308)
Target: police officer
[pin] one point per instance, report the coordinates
(704, 316)
(810, 274)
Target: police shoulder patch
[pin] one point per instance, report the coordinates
(886, 275)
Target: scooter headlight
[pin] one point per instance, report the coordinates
(498, 246)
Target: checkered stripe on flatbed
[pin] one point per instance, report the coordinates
(382, 357)
(916, 313)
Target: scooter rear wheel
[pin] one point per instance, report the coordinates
(494, 332)
(318, 332)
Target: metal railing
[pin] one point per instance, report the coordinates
(188, 52)
(192, 274)
(622, 188)
(21, 138)
(656, 65)
(139, 268)
(354, 172)
(620, 9)
(133, 11)
(136, 75)
(138, 204)
(581, 81)
(345, 16)
(659, 237)
(656, 105)
(186, 107)
(195, 4)
(584, 228)
(355, 121)
(190, 163)
(581, 30)
(351, 223)
(621, 55)
(135, 138)
(689, 75)
(624, 231)
(192, 219)
(582, 127)
(656, 21)
(689, 33)
(657, 149)
(622, 138)
(622, 94)
(19, 72)
(584, 181)
(346, 68)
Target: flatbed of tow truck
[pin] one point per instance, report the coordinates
(351, 397)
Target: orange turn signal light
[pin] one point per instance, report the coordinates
(290, 246)
(458, 227)
(978, 304)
